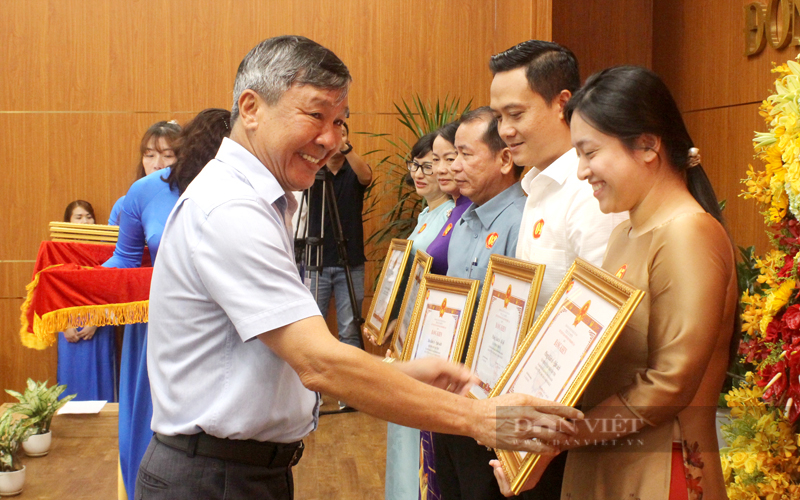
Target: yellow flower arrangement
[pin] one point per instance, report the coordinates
(762, 460)
(752, 312)
(775, 302)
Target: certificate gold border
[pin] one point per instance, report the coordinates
(513, 268)
(421, 259)
(617, 293)
(459, 286)
(396, 245)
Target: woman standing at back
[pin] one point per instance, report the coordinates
(87, 356)
(155, 152)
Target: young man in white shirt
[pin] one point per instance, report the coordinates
(562, 221)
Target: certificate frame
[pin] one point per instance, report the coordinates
(394, 266)
(462, 294)
(420, 266)
(511, 272)
(619, 296)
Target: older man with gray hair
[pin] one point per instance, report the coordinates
(237, 345)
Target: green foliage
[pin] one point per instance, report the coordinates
(748, 273)
(40, 403)
(13, 431)
(420, 118)
(748, 281)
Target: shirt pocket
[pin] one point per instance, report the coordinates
(554, 259)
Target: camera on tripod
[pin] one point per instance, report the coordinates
(319, 202)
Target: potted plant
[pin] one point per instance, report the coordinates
(14, 429)
(40, 403)
(420, 117)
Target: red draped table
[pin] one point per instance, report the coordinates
(70, 289)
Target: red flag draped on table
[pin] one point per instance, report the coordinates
(70, 289)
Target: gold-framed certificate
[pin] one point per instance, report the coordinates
(565, 346)
(505, 313)
(394, 267)
(419, 268)
(441, 318)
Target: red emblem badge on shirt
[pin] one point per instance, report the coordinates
(537, 229)
(447, 229)
(422, 228)
(621, 272)
(491, 239)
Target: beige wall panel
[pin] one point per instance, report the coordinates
(13, 278)
(80, 158)
(23, 61)
(140, 55)
(77, 55)
(18, 363)
(724, 137)
(402, 57)
(699, 51)
(520, 21)
(398, 49)
(24, 190)
(203, 64)
(605, 33)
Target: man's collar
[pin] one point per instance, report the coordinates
(489, 211)
(234, 155)
(559, 171)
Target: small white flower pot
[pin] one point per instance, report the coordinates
(38, 445)
(11, 482)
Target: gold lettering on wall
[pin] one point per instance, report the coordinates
(754, 39)
(778, 23)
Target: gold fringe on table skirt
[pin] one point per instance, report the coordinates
(46, 328)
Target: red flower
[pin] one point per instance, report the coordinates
(775, 393)
(788, 233)
(753, 351)
(792, 317)
(794, 410)
(773, 332)
(788, 264)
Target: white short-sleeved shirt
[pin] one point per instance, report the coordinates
(226, 274)
(562, 221)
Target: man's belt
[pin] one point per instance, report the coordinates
(249, 451)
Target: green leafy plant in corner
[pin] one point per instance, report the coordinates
(747, 274)
(40, 403)
(14, 429)
(420, 118)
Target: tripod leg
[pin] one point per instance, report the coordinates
(341, 247)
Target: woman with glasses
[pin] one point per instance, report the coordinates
(439, 204)
(402, 443)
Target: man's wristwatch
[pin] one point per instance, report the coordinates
(346, 151)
